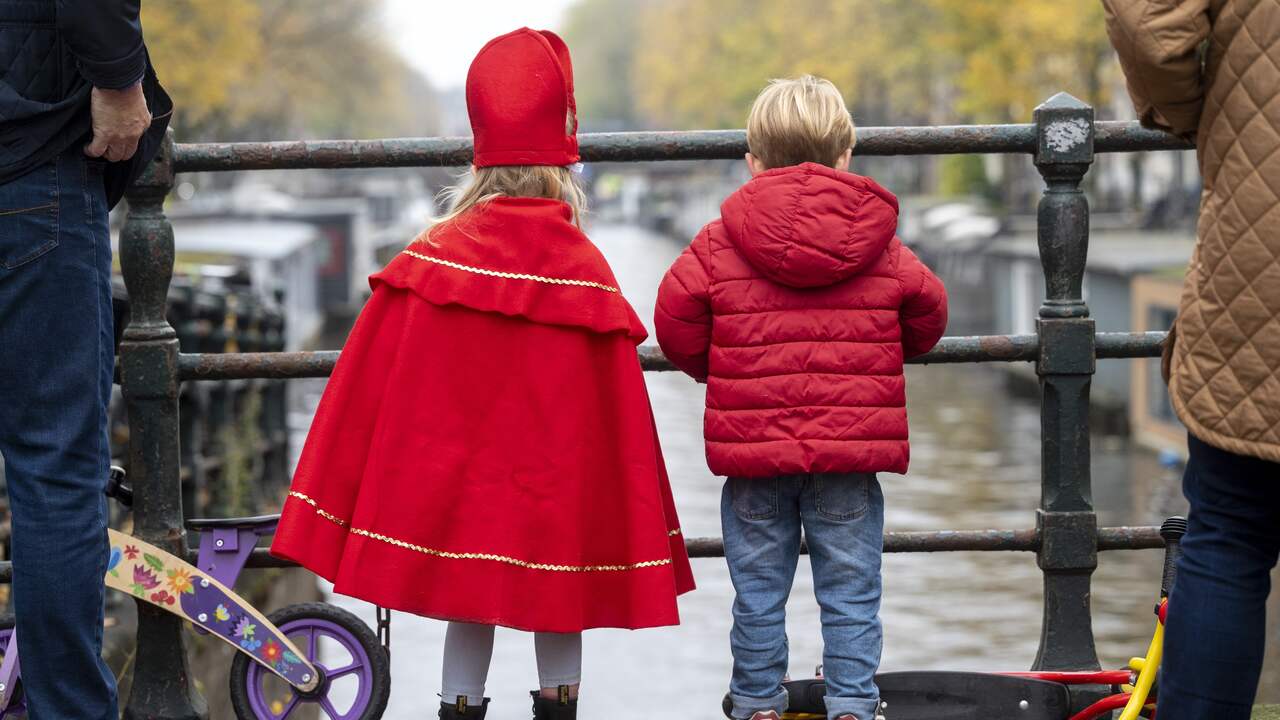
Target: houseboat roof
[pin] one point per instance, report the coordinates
(1118, 252)
(267, 239)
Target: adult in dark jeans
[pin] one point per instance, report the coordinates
(76, 104)
(1208, 69)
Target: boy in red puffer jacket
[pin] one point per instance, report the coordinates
(797, 308)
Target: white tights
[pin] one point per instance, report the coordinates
(469, 647)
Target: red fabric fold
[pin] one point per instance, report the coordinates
(485, 450)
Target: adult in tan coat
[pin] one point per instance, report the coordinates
(1210, 70)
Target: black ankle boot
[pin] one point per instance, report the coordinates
(560, 708)
(462, 711)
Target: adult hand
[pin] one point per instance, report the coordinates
(120, 117)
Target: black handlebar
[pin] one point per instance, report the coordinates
(1172, 531)
(117, 489)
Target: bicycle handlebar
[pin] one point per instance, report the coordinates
(117, 489)
(1172, 531)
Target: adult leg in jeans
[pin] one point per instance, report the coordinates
(761, 524)
(55, 380)
(1215, 637)
(844, 526)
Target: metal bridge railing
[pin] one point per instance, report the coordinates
(1062, 141)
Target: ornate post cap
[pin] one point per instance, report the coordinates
(1064, 131)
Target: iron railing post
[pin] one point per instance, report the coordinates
(1068, 527)
(162, 685)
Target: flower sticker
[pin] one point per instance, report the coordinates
(250, 644)
(221, 613)
(243, 628)
(272, 651)
(163, 598)
(130, 551)
(143, 580)
(180, 581)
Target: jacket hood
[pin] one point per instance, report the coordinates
(809, 225)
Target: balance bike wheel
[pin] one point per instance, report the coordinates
(355, 685)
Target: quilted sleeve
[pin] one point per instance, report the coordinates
(682, 316)
(923, 314)
(106, 38)
(1158, 42)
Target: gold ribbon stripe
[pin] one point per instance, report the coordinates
(319, 510)
(510, 276)
(475, 556)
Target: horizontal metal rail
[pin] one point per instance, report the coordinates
(1062, 142)
(976, 349)
(1109, 538)
(642, 146)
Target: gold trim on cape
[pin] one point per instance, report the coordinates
(319, 511)
(510, 276)
(473, 555)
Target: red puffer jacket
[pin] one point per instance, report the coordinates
(798, 307)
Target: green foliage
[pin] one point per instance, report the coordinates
(1011, 55)
(963, 175)
(602, 35)
(240, 455)
(700, 63)
(264, 69)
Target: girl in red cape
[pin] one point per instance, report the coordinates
(485, 451)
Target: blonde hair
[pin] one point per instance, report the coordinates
(534, 181)
(799, 120)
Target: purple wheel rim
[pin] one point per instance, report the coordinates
(305, 633)
(15, 709)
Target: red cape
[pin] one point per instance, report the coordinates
(485, 450)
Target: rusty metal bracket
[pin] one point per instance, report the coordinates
(1068, 540)
(1067, 347)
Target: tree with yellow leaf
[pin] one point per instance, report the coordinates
(277, 69)
(700, 62)
(204, 53)
(1011, 56)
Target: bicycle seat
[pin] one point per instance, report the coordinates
(260, 522)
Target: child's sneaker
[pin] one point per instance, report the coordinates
(766, 715)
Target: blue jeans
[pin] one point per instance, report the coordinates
(56, 348)
(1216, 632)
(843, 520)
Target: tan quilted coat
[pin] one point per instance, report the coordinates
(1211, 69)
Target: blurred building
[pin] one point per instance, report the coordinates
(1156, 297)
(1129, 273)
(275, 255)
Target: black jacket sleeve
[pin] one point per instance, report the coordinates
(105, 36)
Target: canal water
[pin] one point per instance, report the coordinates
(975, 465)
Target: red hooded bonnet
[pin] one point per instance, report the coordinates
(520, 100)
